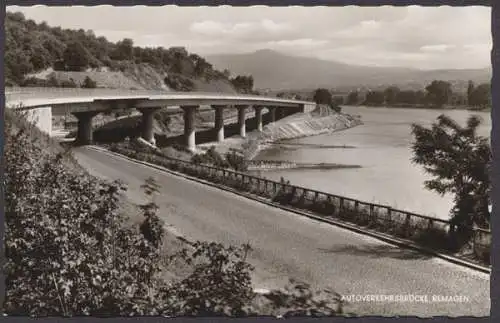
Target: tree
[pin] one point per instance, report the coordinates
(124, 50)
(338, 99)
(458, 99)
(17, 64)
(375, 98)
(459, 160)
(420, 97)
(481, 95)
(353, 98)
(406, 97)
(76, 57)
(391, 94)
(40, 57)
(439, 92)
(322, 96)
(470, 89)
(243, 83)
(89, 83)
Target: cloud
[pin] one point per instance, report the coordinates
(437, 48)
(307, 43)
(422, 37)
(240, 29)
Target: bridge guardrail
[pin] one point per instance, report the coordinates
(397, 222)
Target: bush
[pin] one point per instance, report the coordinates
(210, 157)
(68, 83)
(67, 247)
(236, 161)
(89, 83)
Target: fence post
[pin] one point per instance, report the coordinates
(302, 197)
(341, 205)
(430, 224)
(292, 195)
(474, 235)
(275, 188)
(372, 213)
(407, 225)
(330, 204)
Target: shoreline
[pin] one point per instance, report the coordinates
(277, 134)
(284, 144)
(296, 127)
(419, 107)
(270, 165)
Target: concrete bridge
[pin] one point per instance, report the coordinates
(85, 104)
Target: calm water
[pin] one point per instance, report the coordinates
(383, 150)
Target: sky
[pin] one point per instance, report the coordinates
(418, 37)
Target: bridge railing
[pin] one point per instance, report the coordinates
(423, 229)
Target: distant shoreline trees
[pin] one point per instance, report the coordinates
(438, 94)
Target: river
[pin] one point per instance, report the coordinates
(382, 148)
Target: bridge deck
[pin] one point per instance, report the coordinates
(38, 97)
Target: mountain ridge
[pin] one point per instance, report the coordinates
(276, 70)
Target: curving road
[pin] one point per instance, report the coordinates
(288, 245)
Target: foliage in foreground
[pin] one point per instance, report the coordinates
(69, 251)
(458, 159)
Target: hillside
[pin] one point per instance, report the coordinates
(40, 55)
(274, 70)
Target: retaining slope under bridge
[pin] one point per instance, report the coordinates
(40, 103)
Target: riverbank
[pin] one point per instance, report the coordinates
(427, 107)
(263, 165)
(317, 122)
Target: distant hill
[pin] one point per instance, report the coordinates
(274, 70)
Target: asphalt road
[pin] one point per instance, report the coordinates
(289, 245)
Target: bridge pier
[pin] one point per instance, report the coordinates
(85, 131)
(241, 119)
(189, 127)
(281, 112)
(258, 117)
(147, 124)
(291, 110)
(219, 122)
(272, 114)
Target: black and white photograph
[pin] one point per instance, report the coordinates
(247, 161)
